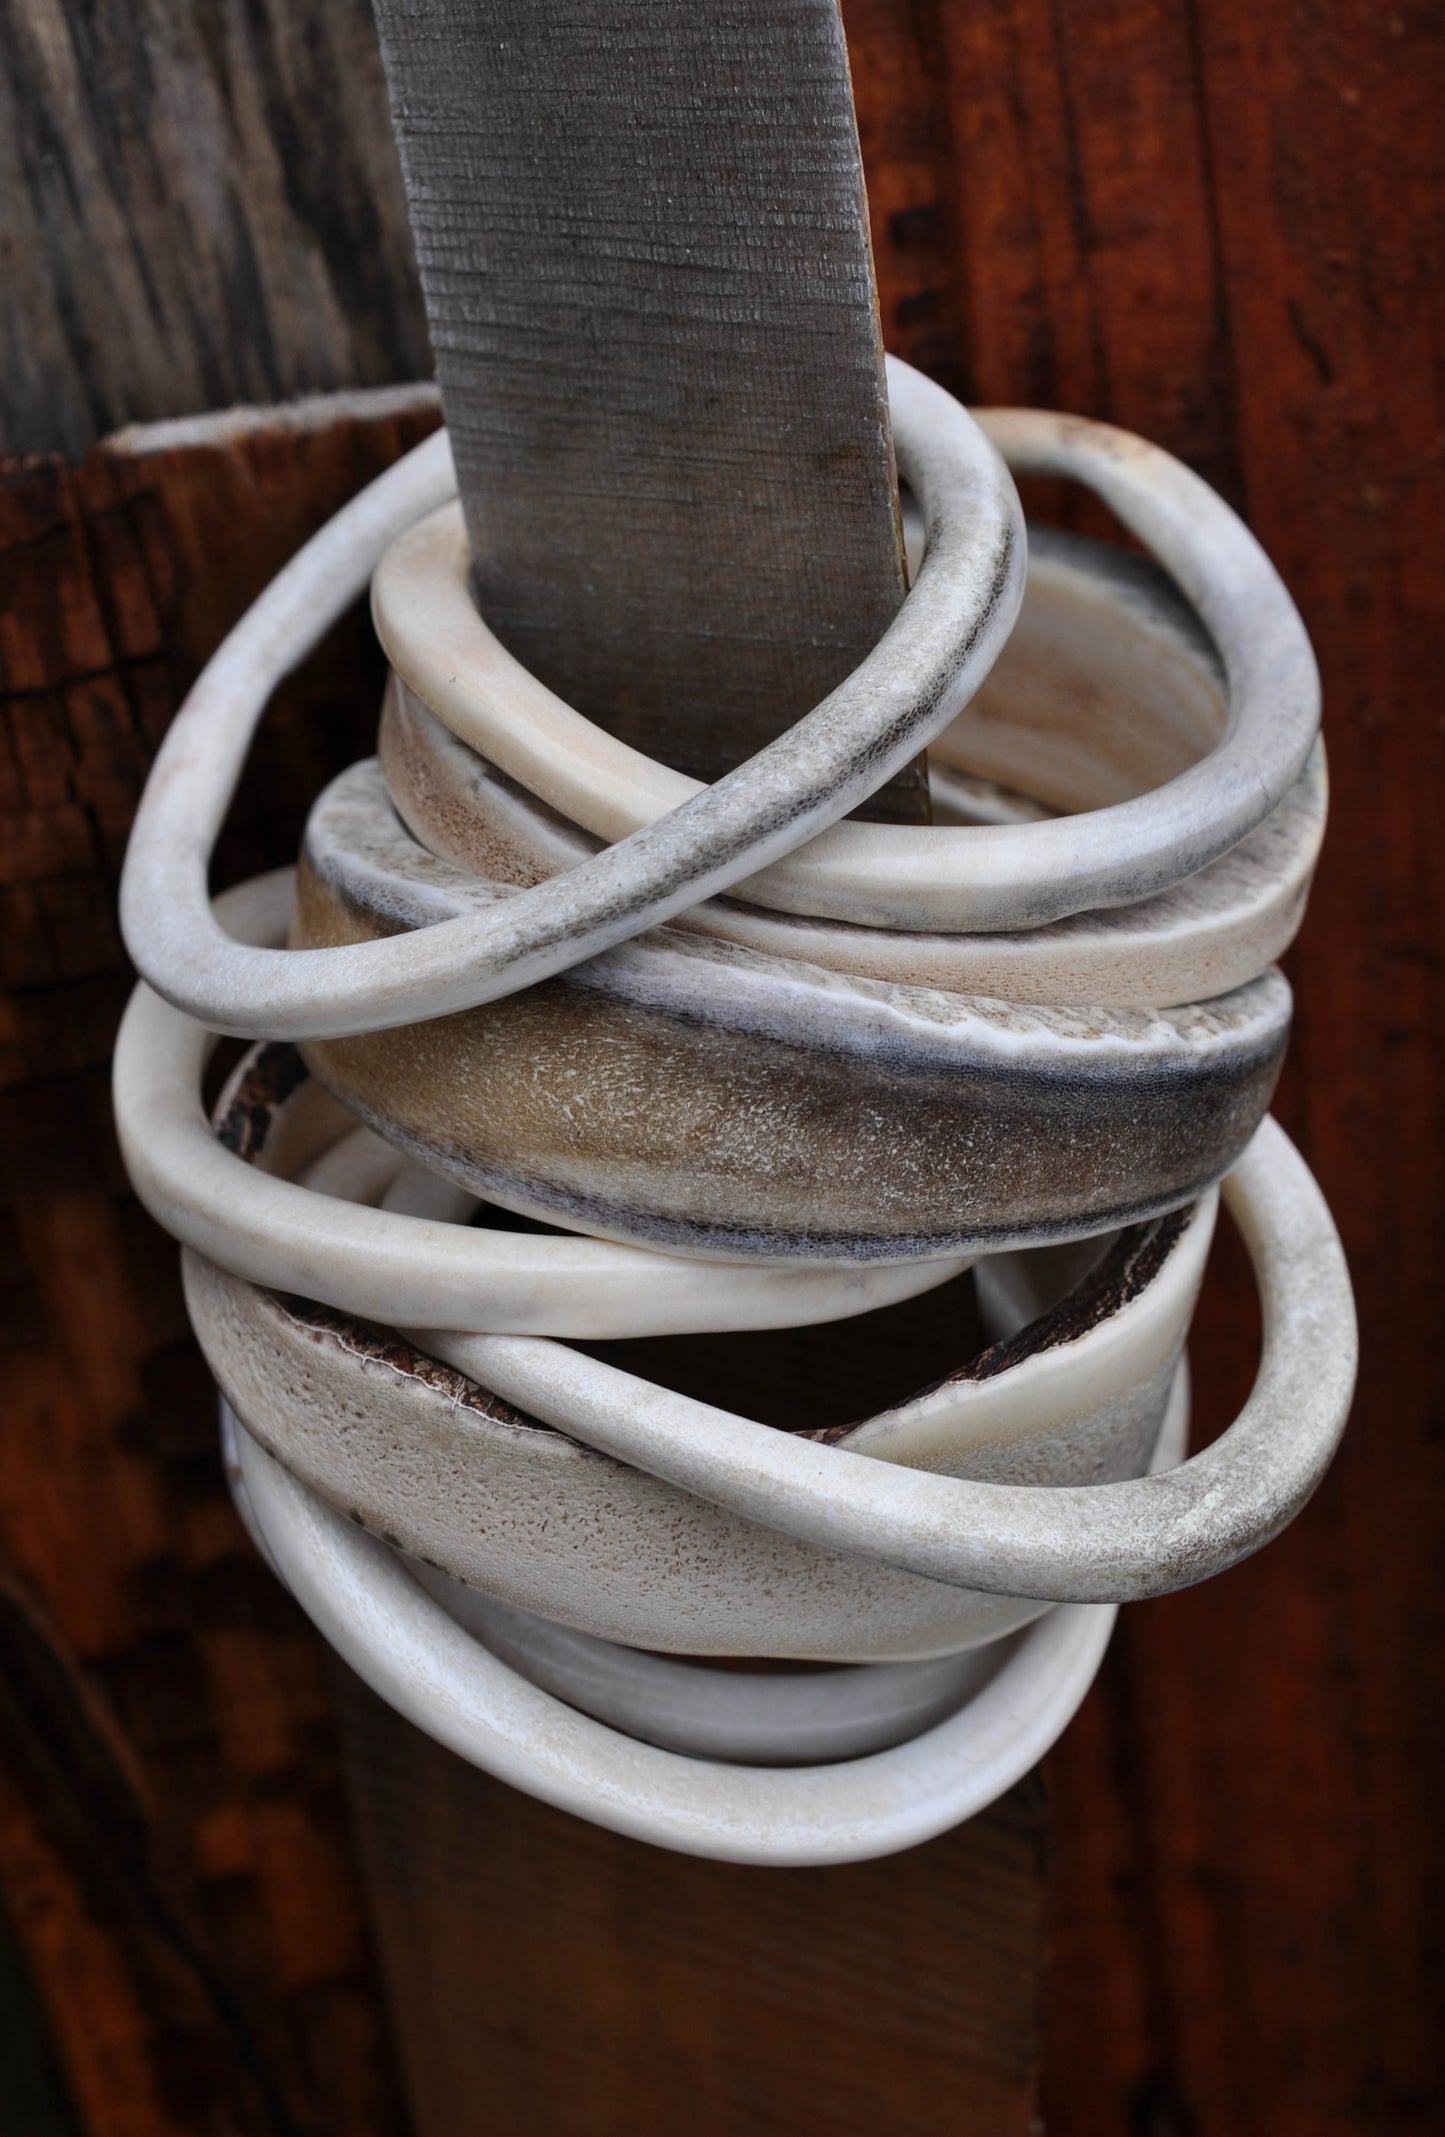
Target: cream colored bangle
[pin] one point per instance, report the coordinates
(943, 880)
(363, 1600)
(925, 667)
(385, 1265)
(1111, 1542)
(1105, 687)
(366, 1602)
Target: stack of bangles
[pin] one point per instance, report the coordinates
(554, 1047)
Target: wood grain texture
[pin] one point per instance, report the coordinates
(201, 205)
(171, 1826)
(1221, 226)
(644, 246)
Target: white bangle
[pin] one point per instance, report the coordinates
(943, 880)
(375, 1611)
(383, 1264)
(925, 667)
(1132, 696)
(474, 1487)
(773, 1718)
(367, 1605)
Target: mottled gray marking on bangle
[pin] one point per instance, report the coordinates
(929, 661)
(960, 879)
(695, 1094)
(1108, 686)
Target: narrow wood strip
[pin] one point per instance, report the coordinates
(557, 1980)
(651, 299)
(643, 242)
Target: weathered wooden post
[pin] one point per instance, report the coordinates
(644, 246)
(592, 945)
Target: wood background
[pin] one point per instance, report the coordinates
(1217, 223)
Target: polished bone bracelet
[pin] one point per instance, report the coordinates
(886, 875)
(1076, 1395)
(810, 1114)
(519, 1095)
(926, 666)
(1107, 686)
(383, 1622)
(386, 1263)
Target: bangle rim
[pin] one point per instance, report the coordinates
(942, 879)
(942, 643)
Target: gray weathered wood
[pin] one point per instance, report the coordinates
(199, 204)
(643, 241)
